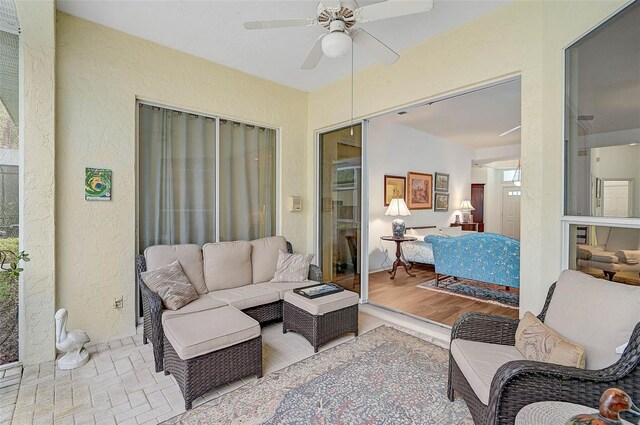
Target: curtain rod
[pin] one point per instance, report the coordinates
(223, 121)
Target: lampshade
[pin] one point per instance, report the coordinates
(397, 207)
(466, 206)
(336, 44)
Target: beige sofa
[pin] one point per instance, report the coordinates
(617, 250)
(234, 274)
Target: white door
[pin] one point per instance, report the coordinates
(511, 212)
(615, 196)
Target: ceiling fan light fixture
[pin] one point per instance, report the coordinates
(336, 45)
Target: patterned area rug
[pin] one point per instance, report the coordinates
(474, 290)
(382, 377)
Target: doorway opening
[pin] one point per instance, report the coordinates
(455, 164)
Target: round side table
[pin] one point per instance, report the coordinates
(398, 261)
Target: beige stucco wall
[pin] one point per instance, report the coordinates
(100, 72)
(37, 168)
(524, 38)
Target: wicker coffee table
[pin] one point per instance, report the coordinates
(320, 319)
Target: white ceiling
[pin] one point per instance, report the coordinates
(474, 120)
(213, 30)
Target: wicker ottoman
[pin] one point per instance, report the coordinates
(210, 348)
(320, 319)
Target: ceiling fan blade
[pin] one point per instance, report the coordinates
(392, 8)
(279, 23)
(315, 54)
(374, 47)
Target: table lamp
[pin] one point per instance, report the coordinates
(397, 207)
(465, 208)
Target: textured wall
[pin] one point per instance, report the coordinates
(524, 37)
(100, 73)
(37, 168)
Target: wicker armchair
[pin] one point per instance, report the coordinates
(152, 308)
(519, 383)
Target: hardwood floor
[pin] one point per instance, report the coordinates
(401, 294)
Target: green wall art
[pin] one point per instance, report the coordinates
(97, 184)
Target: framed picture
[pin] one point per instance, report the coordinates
(394, 187)
(442, 182)
(97, 184)
(441, 202)
(419, 191)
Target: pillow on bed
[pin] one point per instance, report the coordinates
(452, 231)
(422, 233)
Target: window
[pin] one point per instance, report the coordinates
(602, 120)
(204, 179)
(508, 175)
(602, 150)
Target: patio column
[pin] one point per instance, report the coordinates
(37, 179)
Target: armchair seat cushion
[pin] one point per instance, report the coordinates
(479, 362)
(205, 302)
(247, 296)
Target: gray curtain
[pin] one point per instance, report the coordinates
(247, 181)
(177, 177)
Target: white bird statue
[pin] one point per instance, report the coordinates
(70, 343)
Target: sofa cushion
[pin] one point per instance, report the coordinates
(595, 313)
(540, 343)
(284, 287)
(479, 362)
(205, 302)
(189, 256)
(604, 257)
(292, 267)
(227, 264)
(622, 238)
(247, 296)
(322, 305)
(195, 334)
(171, 284)
(264, 257)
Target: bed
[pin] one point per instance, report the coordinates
(419, 251)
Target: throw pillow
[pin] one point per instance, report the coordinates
(538, 342)
(292, 267)
(171, 284)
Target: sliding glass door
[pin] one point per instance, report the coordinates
(203, 179)
(340, 180)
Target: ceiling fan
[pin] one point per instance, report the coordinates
(339, 17)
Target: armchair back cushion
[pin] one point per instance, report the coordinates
(227, 265)
(594, 313)
(264, 257)
(189, 257)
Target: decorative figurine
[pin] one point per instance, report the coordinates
(612, 402)
(70, 343)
